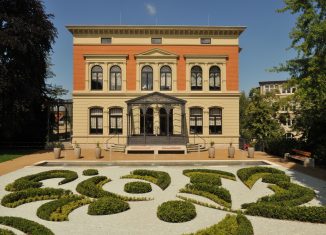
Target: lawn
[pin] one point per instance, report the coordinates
(7, 155)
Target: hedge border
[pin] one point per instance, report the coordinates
(6, 232)
(137, 187)
(107, 206)
(176, 211)
(90, 172)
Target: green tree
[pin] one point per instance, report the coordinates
(243, 104)
(26, 38)
(308, 70)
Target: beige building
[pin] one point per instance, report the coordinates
(155, 85)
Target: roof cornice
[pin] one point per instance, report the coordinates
(157, 30)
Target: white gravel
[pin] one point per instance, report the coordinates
(141, 218)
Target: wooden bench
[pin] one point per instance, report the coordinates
(301, 155)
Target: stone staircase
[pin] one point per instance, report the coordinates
(196, 147)
(115, 148)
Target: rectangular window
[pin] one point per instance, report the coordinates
(106, 40)
(156, 40)
(96, 121)
(205, 41)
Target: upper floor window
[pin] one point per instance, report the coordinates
(214, 79)
(215, 121)
(97, 78)
(205, 41)
(196, 78)
(196, 121)
(147, 78)
(156, 40)
(115, 121)
(106, 40)
(96, 121)
(166, 78)
(115, 78)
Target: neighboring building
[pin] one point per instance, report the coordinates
(286, 114)
(140, 85)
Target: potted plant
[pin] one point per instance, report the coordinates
(211, 150)
(231, 151)
(98, 151)
(57, 146)
(77, 150)
(251, 149)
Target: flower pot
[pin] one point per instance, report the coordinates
(77, 152)
(251, 152)
(57, 153)
(211, 152)
(231, 152)
(97, 152)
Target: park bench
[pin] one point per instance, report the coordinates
(301, 155)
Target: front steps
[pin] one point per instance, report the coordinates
(116, 148)
(195, 148)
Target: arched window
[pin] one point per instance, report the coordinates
(147, 78)
(166, 78)
(215, 121)
(96, 121)
(115, 121)
(97, 78)
(196, 78)
(214, 78)
(115, 78)
(196, 121)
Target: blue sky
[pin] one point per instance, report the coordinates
(264, 42)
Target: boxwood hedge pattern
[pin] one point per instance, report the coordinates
(33, 181)
(160, 178)
(25, 225)
(33, 194)
(137, 187)
(230, 225)
(90, 172)
(59, 210)
(176, 211)
(107, 206)
(221, 174)
(6, 232)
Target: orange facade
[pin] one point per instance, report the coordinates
(232, 52)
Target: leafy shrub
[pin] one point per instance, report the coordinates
(160, 178)
(24, 225)
(33, 194)
(107, 206)
(137, 187)
(59, 210)
(90, 172)
(275, 178)
(208, 178)
(279, 147)
(6, 232)
(222, 174)
(176, 211)
(32, 181)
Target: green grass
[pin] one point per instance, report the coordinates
(7, 155)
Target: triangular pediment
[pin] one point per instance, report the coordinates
(156, 98)
(156, 52)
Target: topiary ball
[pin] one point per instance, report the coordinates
(176, 211)
(137, 187)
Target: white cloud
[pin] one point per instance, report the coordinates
(151, 9)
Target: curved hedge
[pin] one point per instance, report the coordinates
(6, 232)
(176, 211)
(59, 210)
(25, 225)
(90, 172)
(222, 174)
(33, 194)
(209, 178)
(107, 206)
(160, 178)
(137, 187)
(33, 181)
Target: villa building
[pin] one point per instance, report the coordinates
(156, 85)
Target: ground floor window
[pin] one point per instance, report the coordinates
(115, 121)
(96, 121)
(196, 121)
(215, 121)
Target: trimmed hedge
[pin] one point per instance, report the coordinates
(137, 187)
(230, 225)
(25, 225)
(32, 181)
(90, 172)
(176, 211)
(107, 206)
(33, 194)
(222, 174)
(220, 192)
(160, 178)
(59, 210)
(6, 232)
(209, 178)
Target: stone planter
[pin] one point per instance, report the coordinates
(77, 152)
(57, 153)
(231, 152)
(251, 152)
(211, 152)
(97, 152)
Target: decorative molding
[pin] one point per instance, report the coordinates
(196, 56)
